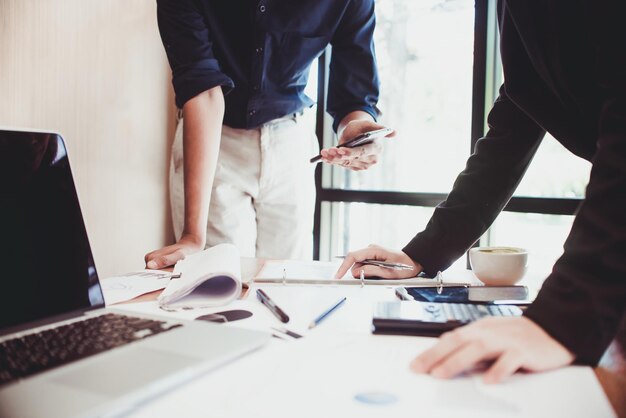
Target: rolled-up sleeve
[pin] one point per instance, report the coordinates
(189, 48)
(353, 81)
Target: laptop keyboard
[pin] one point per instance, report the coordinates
(24, 356)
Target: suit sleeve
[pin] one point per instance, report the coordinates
(353, 82)
(584, 299)
(189, 48)
(482, 190)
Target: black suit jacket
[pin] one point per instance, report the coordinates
(565, 72)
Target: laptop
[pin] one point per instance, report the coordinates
(62, 353)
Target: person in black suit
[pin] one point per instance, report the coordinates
(564, 67)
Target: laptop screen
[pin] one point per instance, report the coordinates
(46, 265)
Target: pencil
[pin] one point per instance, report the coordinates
(330, 310)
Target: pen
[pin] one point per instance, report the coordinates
(265, 300)
(362, 139)
(383, 264)
(330, 310)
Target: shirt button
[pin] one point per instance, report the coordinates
(262, 8)
(251, 113)
(259, 49)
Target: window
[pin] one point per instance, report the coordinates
(543, 236)
(424, 53)
(440, 70)
(569, 181)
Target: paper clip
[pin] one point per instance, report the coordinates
(362, 277)
(284, 277)
(439, 279)
(176, 276)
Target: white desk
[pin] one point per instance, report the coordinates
(323, 374)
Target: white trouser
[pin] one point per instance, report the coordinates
(263, 195)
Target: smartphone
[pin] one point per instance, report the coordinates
(363, 139)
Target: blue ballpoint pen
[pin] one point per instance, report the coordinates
(330, 310)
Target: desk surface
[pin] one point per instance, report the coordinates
(611, 373)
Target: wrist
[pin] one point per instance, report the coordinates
(354, 116)
(410, 261)
(195, 238)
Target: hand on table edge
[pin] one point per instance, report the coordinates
(171, 254)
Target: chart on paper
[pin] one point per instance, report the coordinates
(130, 285)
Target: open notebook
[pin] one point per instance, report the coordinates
(213, 278)
(323, 272)
(209, 278)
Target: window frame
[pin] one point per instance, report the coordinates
(486, 81)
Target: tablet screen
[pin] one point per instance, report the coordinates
(452, 294)
(474, 294)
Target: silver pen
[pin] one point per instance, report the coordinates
(383, 264)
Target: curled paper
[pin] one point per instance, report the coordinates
(209, 278)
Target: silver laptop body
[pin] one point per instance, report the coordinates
(49, 281)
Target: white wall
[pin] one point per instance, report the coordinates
(95, 71)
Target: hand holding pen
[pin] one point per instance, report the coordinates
(383, 264)
(379, 262)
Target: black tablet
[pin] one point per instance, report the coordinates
(517, 295)
(431, 319)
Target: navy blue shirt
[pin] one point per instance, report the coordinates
(260, 52)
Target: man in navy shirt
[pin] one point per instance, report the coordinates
(239, 71)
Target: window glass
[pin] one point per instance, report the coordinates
(542, 235)
(391, 226)
(425, 57)
(555, 172)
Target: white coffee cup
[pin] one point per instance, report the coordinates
(498, 266)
